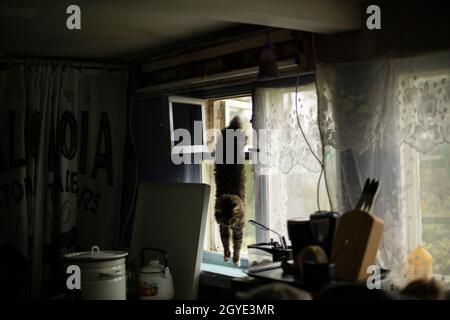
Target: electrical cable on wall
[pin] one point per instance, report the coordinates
(318, 124)
(321, 162)
(133, 199)
(308, 143)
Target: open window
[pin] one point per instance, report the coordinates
(187, 125)
(218, 115)
(289, 188)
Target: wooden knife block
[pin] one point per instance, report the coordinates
(358, 237)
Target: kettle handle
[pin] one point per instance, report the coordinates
(163, 253)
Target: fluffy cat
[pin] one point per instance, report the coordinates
(230, 192)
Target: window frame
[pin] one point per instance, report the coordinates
(424, 73)
(261, 207)
(414, 165)
(176, 149)
(214, 257)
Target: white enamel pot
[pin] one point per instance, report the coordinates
(103, 273)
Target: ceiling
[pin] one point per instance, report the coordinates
(107, 31)
(131, 29)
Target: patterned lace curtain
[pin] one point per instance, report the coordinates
(379, 118)
(288, 173)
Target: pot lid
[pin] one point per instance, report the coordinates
(96, 255)
(153, 267)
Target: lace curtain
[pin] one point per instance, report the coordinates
(378, 117)
(409, 98)
(287, 175)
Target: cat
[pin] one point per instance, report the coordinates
(230, 192)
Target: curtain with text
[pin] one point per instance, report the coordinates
(61, 150)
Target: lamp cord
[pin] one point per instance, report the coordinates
(321, 162)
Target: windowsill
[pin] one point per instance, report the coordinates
(214, 275)
(213, 263)
(223, 270)
(216, 258)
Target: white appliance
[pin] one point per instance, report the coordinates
(172, 216)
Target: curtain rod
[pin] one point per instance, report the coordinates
(71, 63)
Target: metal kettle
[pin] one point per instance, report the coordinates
(155, 280)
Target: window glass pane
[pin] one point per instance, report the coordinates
(184, 116)
(241, 107)
(435, 207)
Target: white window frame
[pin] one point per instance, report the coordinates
(214, 257)
(413, 209)
(175, 149)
